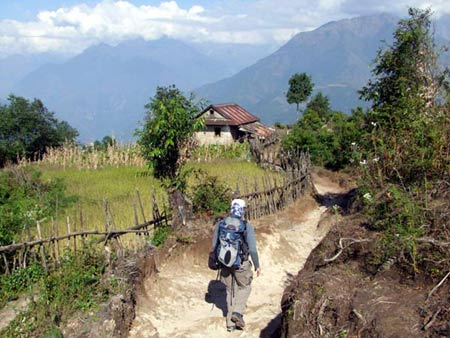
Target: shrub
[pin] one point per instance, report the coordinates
(405, 153)
(160, 235)
(209, 195)
(329, 137)
(20, 280)
(74, 286)
(26, 199)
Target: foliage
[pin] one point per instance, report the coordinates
(28, 128)
(279, 125)
(75, 286)
(406, 118)
(405, 149)
(321, 105)
(401, 220)
(217, 151)
(209, 195)
(300, 88)
(330, 137)
(25, 199)
(169, 123)
(12, 285)
(106, 142)
(160, 235)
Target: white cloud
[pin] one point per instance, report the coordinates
(247, 21)
(72, 29)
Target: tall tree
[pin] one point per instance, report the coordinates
(404, 94)
(321, 105)
(29, 128)
(170, 121)
(406, 78)
(300, 88)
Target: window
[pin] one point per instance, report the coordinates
(217, 131)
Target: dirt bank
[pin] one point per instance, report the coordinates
(342, 293)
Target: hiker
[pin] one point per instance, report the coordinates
(233, 242)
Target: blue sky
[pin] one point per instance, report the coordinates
(70, 26)
(28, 9)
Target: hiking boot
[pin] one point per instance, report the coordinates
(238, 320)
(231, 328)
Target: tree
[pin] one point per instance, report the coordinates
(329, 136)
(300, 88)
(321, 105)
(406, 150)
(406, 80)
(25, 198)
(404, 93)
(27, 129)
(107, 141)
(170, 121)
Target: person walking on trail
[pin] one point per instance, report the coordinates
(233, 242)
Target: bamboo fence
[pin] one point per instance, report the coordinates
(274, 195)
(263, 199)
(48, 252)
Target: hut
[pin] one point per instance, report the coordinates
(229, 122)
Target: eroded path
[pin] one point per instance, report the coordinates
(184, 300)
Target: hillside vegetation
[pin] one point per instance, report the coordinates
(390, 255)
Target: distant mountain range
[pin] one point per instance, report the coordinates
(337, 56)
(103, 90)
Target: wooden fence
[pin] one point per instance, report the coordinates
(49, 251)
(262, 199)
(275, 195)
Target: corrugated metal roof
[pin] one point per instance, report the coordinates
(257, 128)
(232, 112)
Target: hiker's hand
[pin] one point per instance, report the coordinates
(258, 272)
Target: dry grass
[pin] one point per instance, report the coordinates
(73, 156)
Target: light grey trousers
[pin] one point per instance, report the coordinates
(238, 284)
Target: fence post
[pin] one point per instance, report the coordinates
(83, 237)
(75, 237)
(44, 260)
(107, 219)
(141, 205)
(6, 264)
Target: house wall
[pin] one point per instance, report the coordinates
(209, 136)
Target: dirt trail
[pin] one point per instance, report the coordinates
(184, 300)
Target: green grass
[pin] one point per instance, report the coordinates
(118, 185)
(234, 173)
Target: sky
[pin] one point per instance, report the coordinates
(70, 26)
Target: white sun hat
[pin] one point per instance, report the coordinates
(239, 202)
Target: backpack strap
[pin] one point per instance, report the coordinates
(245, 249)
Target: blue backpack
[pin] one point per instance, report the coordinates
(232, 247)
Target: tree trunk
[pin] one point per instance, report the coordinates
(181, 208)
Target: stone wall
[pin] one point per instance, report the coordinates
(209, 136)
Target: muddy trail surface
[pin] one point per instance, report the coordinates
(185, 300)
